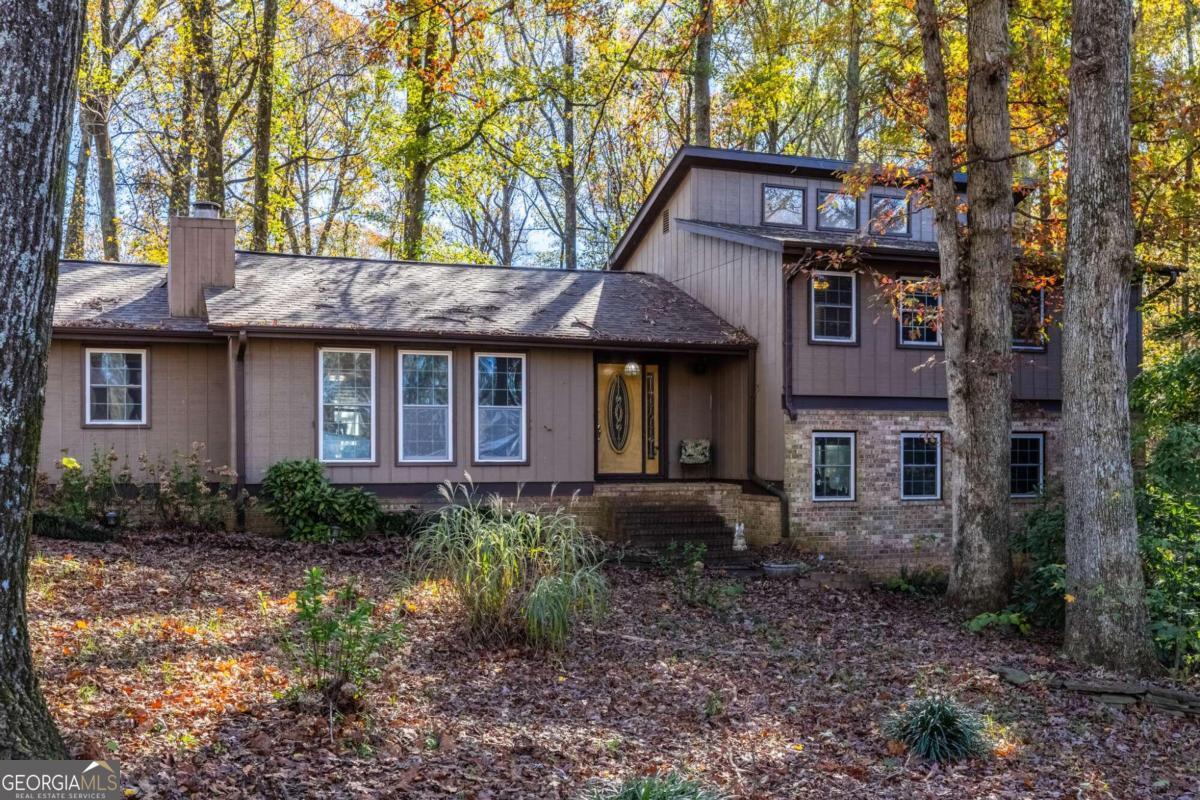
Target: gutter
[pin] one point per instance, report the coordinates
(751, 431)
(239, 411)
(1172, 274)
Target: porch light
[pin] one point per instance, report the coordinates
(633, 369)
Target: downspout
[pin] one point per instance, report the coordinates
(751, 436)
(239, 412)
(788, 343)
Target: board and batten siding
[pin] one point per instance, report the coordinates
(189, 402)
(878, 367)
(741, 284)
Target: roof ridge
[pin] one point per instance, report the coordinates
(410, 263)
(90, 262)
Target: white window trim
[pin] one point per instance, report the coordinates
(812, 307)
(321, 405)
(1034, 348)
(1041, 440)
(909, 342)
(937, 495)
(87, 387)
(812, 457)
(524, 408)
(449, 356)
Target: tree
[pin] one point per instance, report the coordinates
(702, 74)
(1106, 619)
(976, 286)
(38, 62)
(262, 124)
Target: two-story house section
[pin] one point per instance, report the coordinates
(851, 403)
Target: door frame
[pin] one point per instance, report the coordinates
(664, 459)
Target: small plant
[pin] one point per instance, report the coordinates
(670, 786)
(922, 582)
(519, 575)
(310, 508)
(684, 563)
(714, 705)
(1006, 621)
(180, 491)
(337, 641)
(938, 728)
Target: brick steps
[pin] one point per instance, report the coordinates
(647, 528)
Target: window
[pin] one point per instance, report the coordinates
(920, 466)
(116, 387)
(832, 307)
(783, 205)
(346, 413)
(1026, 464)
(837, 211)
(889, 216)
(1029, 314)
(425, 406)
(499, 407)
(919, 306)
(833, 466)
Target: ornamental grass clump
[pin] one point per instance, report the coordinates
(938, 728)
(519, 575)
(671, 786)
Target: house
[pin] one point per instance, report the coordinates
(711, 376)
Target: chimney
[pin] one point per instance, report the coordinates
(199, 255)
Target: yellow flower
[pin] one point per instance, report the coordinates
(69, 463)
(1070, 598)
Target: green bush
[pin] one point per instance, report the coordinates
(404, 523)
(336, 642)
(56, 526)
(938, 728)
(309, 508)
(671, 786)
(519, 575)
(923, 581)
(1170, 545)
(1040, 554)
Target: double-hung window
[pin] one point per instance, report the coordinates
(426, 402)
(783, 205)
(346, 411)
(500, 407)
(1028, 317)
(889, 216)
(832, 466)
(836, 211)
(920, 466)
(919, 305)
(1026, 466)
(833, 298)
(115, 387)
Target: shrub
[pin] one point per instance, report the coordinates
(1170, 544)
(938, 728)
(404, 523)
(684, 564)
(927, 581)
(337, 643)
(180, 493)
(310, 508)
(519, 575)
(1040, 552)
(56, 526)
(671, 786)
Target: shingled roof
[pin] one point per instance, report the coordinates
(297, 294)
(780, 237)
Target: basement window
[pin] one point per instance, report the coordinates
(920, 466)
(115, 387)
(1026, 466)
(346, 411)
(832, 466)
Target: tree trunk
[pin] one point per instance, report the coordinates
(416, 188)
(976, 289)
(211, 167)
(262, 126)
(567, 160)
(39, 62)
(415, 193)
(1106, 621)
(74, 240)
(701, 74)
(853, 83)
(101, 102)
(181, 167)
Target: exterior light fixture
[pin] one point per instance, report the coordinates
(633, 369)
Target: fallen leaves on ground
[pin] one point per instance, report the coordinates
(163, 652)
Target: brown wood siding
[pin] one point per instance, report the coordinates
(744, 286)
(188, 402)
(878, 367)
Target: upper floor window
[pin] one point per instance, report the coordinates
(425, 406)
(832, 466)
(920, 466)
(1029, 319)
(346, 411)
(919, 303)
(889, 216)
(116, 387)
(832, 309)
(783, 205)
(1026, 465)
(500, 407)
(836, 211)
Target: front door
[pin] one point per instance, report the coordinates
(628, 418)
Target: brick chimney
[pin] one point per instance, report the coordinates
(199, 255)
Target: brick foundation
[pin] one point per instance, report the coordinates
(877, 531)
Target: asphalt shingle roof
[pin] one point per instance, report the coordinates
(104, 295)
(802, 237)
